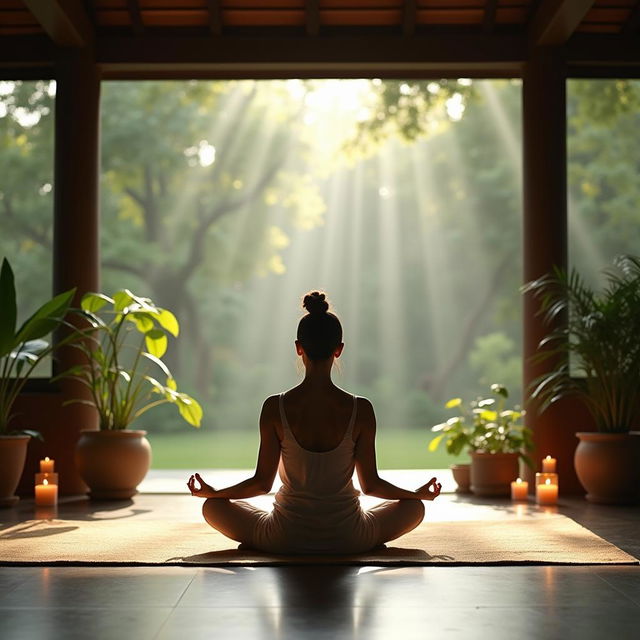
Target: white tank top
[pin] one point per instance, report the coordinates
(311, 476)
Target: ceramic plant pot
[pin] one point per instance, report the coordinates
(608, 466)
(462, 476)
(492, 473)
(13, 453)
(113, 463)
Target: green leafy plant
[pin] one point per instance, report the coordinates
(123, 344)
(592, 343)
(485, 425)
(23, 348)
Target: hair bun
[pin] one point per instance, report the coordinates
(315, 302)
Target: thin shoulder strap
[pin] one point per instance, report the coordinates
(283, 417)
(353, 416)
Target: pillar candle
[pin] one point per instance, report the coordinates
(547, 493)
(548, 465)
(46, 465)
(46, 494)
(519, 489)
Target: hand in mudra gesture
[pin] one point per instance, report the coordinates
(202, 491)
(429, 491)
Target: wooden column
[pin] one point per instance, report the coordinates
(75, 258)
(545, 240)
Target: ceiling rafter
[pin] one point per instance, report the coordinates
(136, 17)
(409, 17)
(489, 21)
(632, 25)
(312, 17)
(65, 21)
(555, 21)
(215, 16)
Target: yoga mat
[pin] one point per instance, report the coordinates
(544, 539)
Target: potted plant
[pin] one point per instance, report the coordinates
(495, 437)
(594, 355)
(456, 433)
(122, 349)
(21, 350)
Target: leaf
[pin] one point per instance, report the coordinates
(156, 341)
(8, 308)
(454, 402)
(142, 320)
(167, 321)
(158, 362)
(122, 300)
(189, 409)
(433, 445)
(46, 318)
(93, 302)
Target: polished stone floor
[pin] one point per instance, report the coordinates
(332, 602)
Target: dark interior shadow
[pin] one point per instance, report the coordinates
(392, 555)
(85, 509)
(34, 530)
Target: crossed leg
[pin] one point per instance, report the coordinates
(236, 520)
(397, 517)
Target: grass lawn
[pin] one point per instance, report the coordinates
(397, 449)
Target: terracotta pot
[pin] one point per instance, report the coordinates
(608, 466)
(13, 453)
(462, 476)
(113, 463)
(492, 473)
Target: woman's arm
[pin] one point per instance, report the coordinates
(266, 467)
(366, 466)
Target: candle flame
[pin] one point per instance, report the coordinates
(548, 458)
(45, 481)
(46, 458)
(519, 480)
(547, 481)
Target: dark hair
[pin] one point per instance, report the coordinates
(319, 331)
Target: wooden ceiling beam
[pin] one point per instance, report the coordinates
(137, 23)
(603, 51)
(555, 21)
(25, 52)
(377, 56)
(64, 21)
(632, 25)
(489, 21)
(409, 17)
(312, 17)
(215, 16)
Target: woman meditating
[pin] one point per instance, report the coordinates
(315, 434)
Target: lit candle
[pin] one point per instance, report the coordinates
(547, 493)
(548, 465)
(46, 494)
(519, 489)
(46, 465)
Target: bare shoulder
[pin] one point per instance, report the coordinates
(271, 409)
(365, 417)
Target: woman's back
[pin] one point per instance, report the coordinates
(318, 418)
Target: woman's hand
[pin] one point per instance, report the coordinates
(429, 491)
(203, 491)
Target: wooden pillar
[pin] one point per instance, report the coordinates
(545, 240)
(75, 258)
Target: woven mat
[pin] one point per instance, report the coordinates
(548, 539)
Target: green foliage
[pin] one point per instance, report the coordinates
(485, 425)
(22, 347)
(601, 334)
(116, 365)
(495, 356)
